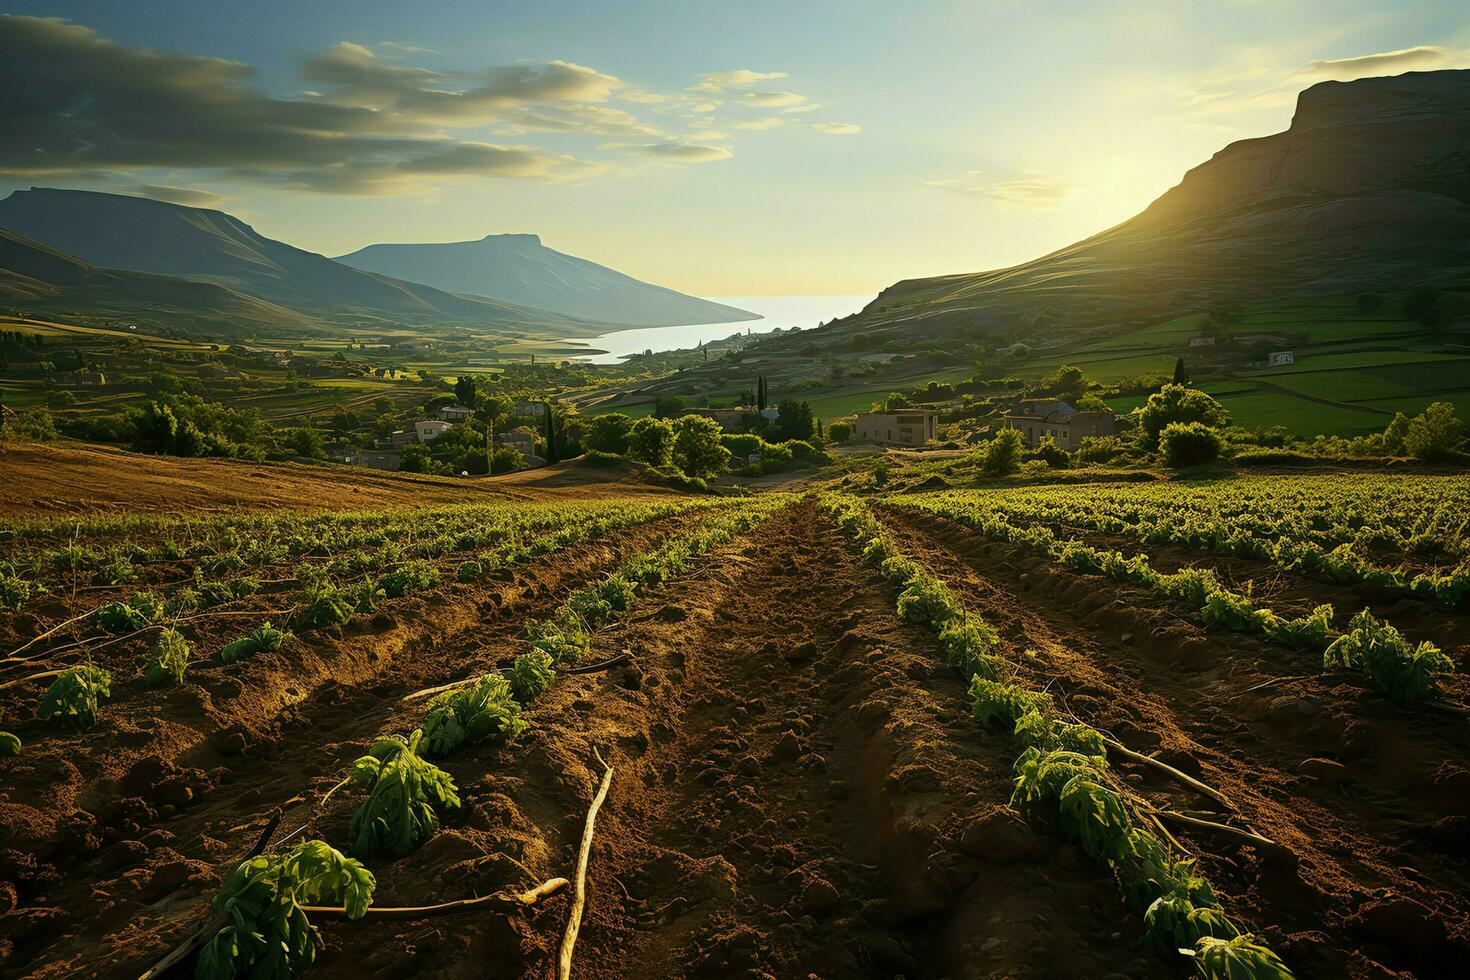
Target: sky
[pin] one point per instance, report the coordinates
(803, 147)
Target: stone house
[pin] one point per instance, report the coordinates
(903, 427)
(1059, 420)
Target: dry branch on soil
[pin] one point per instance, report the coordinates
(579, 896)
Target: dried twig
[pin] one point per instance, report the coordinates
(600, 665)
(1183, 777)
(502, 901)
(451, 686)
(1248, 835)
(199, 936)
(579, 895)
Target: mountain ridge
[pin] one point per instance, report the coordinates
(1369, 188)
(518, 268)
(142, 235)
(43, 279)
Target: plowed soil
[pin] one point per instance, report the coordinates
(47, 481)
(799, 789)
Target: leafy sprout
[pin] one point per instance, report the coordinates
(168, 659)
(266, 933)
(485, 710)
(72, 698)
(403, 790)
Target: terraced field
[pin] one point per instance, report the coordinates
(1054, 731)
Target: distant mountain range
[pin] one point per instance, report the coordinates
(519, 269)
(43, 279)
(1369, 189)
(141, 235)
(264, 282)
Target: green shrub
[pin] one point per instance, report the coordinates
(1189, 444)
(72, 698)
(1239, 958)
(839, 431)
(651, 441)
(1001, 456)
(531, 674)
(1100, 449)
(1178, 403)
(9, 744)
(1402, 672)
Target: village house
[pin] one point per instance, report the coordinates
(455, 413)
(1037, 420)
(520, 440)
(903, 426)
(1281, 358)
(730, 419)
(428, 430)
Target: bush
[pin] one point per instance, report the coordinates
(168, 659)
(608, 433)
(1100, 449)
(1177, 403)
(1435, 434)
(1050, 453)
(696, 449)
(1189, 444)
(839, 431)
(1001, 455)
(651, 441)
(742, 444)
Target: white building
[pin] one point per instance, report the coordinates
(1279, 358)
(428, 430)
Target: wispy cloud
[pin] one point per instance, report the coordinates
(193, 197)
(720, 81)
(1420, 58)
(674, 152)
(837, 129)
(1260, 84)
(1033, 189)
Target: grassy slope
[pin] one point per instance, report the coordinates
(1368, 365)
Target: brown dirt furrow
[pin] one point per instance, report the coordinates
(1371, 803)
(133, 820)
(799, 791)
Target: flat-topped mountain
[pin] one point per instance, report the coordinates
(519, 269)
(1369, 189)
(143, 235)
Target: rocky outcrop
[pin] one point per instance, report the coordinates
(1368, 189)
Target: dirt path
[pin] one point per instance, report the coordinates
(799, 791)
(1374, 829)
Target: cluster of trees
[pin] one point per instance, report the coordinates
(1183, 427)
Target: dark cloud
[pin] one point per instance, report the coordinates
(73, 101)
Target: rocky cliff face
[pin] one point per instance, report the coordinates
(1368, 189)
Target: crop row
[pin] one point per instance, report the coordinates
(1287, 540)
(74, 696)
(1401, 671)
(362, 538)
(1062, 775)
(264, 930)
(1424, 516)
